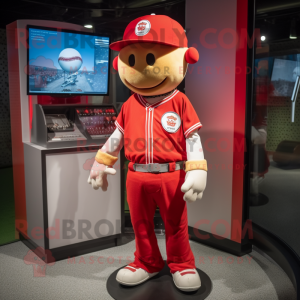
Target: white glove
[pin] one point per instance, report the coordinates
(194, 185)
(195, 180)
(98, 176)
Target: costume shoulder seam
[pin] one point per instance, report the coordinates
(129, 99)
(180, 95)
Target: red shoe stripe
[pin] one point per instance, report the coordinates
(184, 273)
(131, 269)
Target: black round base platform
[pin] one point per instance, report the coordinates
(160, 287)
(258, 200)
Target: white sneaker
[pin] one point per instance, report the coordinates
(133, 276)
(187, 280)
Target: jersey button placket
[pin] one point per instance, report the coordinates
(146, 134)
(151, 109)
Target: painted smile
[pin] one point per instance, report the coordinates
(152, 87)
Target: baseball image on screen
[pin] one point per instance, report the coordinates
(67, 63)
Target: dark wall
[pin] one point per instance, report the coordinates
(5, 135)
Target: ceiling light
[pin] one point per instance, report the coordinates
(87, 19)
(293, 31)
(263, 38)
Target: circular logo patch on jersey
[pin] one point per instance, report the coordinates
(142, 27)
(170, 121)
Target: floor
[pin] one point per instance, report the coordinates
(281, 214)
(7, 207)
(84, 277)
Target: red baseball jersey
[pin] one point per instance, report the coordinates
(156, 133)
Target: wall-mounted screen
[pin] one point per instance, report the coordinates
(67, 62)
(283, 78)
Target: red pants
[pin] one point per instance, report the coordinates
(146, 191)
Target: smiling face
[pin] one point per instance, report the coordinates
(152, 69)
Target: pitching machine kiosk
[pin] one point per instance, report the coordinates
(57, 126)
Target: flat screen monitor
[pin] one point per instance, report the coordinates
(63, 62)
(283, 77)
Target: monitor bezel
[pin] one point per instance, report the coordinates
(69, 31)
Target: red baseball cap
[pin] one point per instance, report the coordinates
(158, 29)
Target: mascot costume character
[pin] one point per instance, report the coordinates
(158, 127)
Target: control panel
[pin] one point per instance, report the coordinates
(71, 125)
(97, 121)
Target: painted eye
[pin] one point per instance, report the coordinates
(150, 58)
(131, 60)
